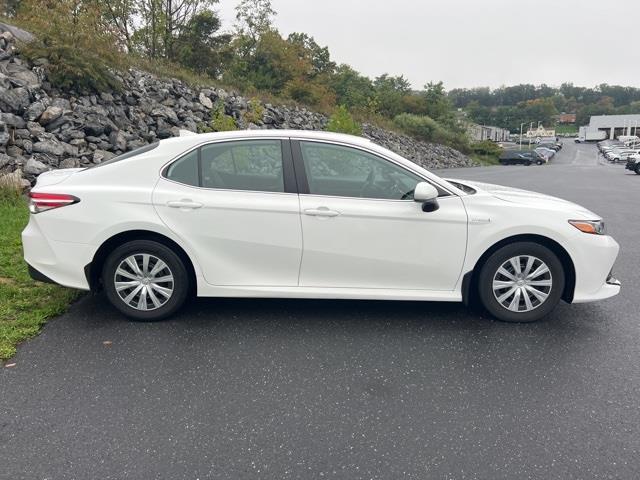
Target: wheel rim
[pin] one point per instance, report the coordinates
(522, 283)
(143, 282)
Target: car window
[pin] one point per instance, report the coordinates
(185, 169)
(125, 156)
(348, 172)
(243, 165)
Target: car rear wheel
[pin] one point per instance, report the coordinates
(637, 170)
(521, 282)
(145, 280)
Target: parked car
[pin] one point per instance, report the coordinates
(617, 155)
(554, 146)
(546, 153)
(633, 163)
(225, 214)
(521, 157)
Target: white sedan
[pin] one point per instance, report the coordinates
(295, 214)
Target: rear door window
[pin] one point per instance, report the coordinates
(254, 165)
(243, 165)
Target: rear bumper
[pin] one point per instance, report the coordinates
(39, 276)
(53, 261)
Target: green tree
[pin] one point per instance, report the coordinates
(389, 93)
(254, 18)
(161, 23)
(351, 89)
(341, 121)
(437, 105)
(318, 57)
(200, 47)
(120, 15)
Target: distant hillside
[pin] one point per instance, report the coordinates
(509, 107)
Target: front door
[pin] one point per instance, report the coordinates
(362, 229)
(229, 201)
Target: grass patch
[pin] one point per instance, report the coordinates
(25, 305)
(566, 130)
(484, 159)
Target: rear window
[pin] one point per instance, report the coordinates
(131, 154)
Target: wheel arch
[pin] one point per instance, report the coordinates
(93, 270)
(470, 279)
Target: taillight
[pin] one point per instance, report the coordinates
(41, 202)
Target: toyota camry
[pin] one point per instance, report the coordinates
(297, 214)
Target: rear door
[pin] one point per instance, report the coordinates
(235, 203)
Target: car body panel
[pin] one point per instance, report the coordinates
(383, 244)
(249, 244)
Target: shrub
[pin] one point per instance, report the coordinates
(310, 92)
(342, 122)
(255, 112)
(427, 129)
(486, 147)
(486, 152)
(73, 37)
(220, 121)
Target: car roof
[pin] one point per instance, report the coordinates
(196, 139)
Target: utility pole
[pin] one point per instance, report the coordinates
(521, 125)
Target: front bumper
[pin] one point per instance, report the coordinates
(611, 288)
(594, 256)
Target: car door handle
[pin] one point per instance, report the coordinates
(321, 212)
(184, 203)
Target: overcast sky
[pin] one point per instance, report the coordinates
(468, 43)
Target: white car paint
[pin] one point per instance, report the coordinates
(264, 244)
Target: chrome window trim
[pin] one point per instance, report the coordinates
(378, 155)
(298, 138)
(165, 166)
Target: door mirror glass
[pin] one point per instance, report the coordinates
(425, 192)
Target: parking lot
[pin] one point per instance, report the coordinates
(243, 389)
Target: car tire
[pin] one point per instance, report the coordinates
(542, 288)
(539, 162)
(637, 169)
(150, 268)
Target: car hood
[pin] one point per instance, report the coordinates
(526, 197)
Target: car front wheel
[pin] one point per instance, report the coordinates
(145, 280)
(521, 282)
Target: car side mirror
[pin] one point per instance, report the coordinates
(427, 195)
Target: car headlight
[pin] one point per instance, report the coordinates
(594, 227)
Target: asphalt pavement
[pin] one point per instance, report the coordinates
(288, 389)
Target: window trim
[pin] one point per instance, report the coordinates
(288, 172)
(303, 182)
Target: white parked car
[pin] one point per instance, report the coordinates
(547, 153)
(307, 215)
